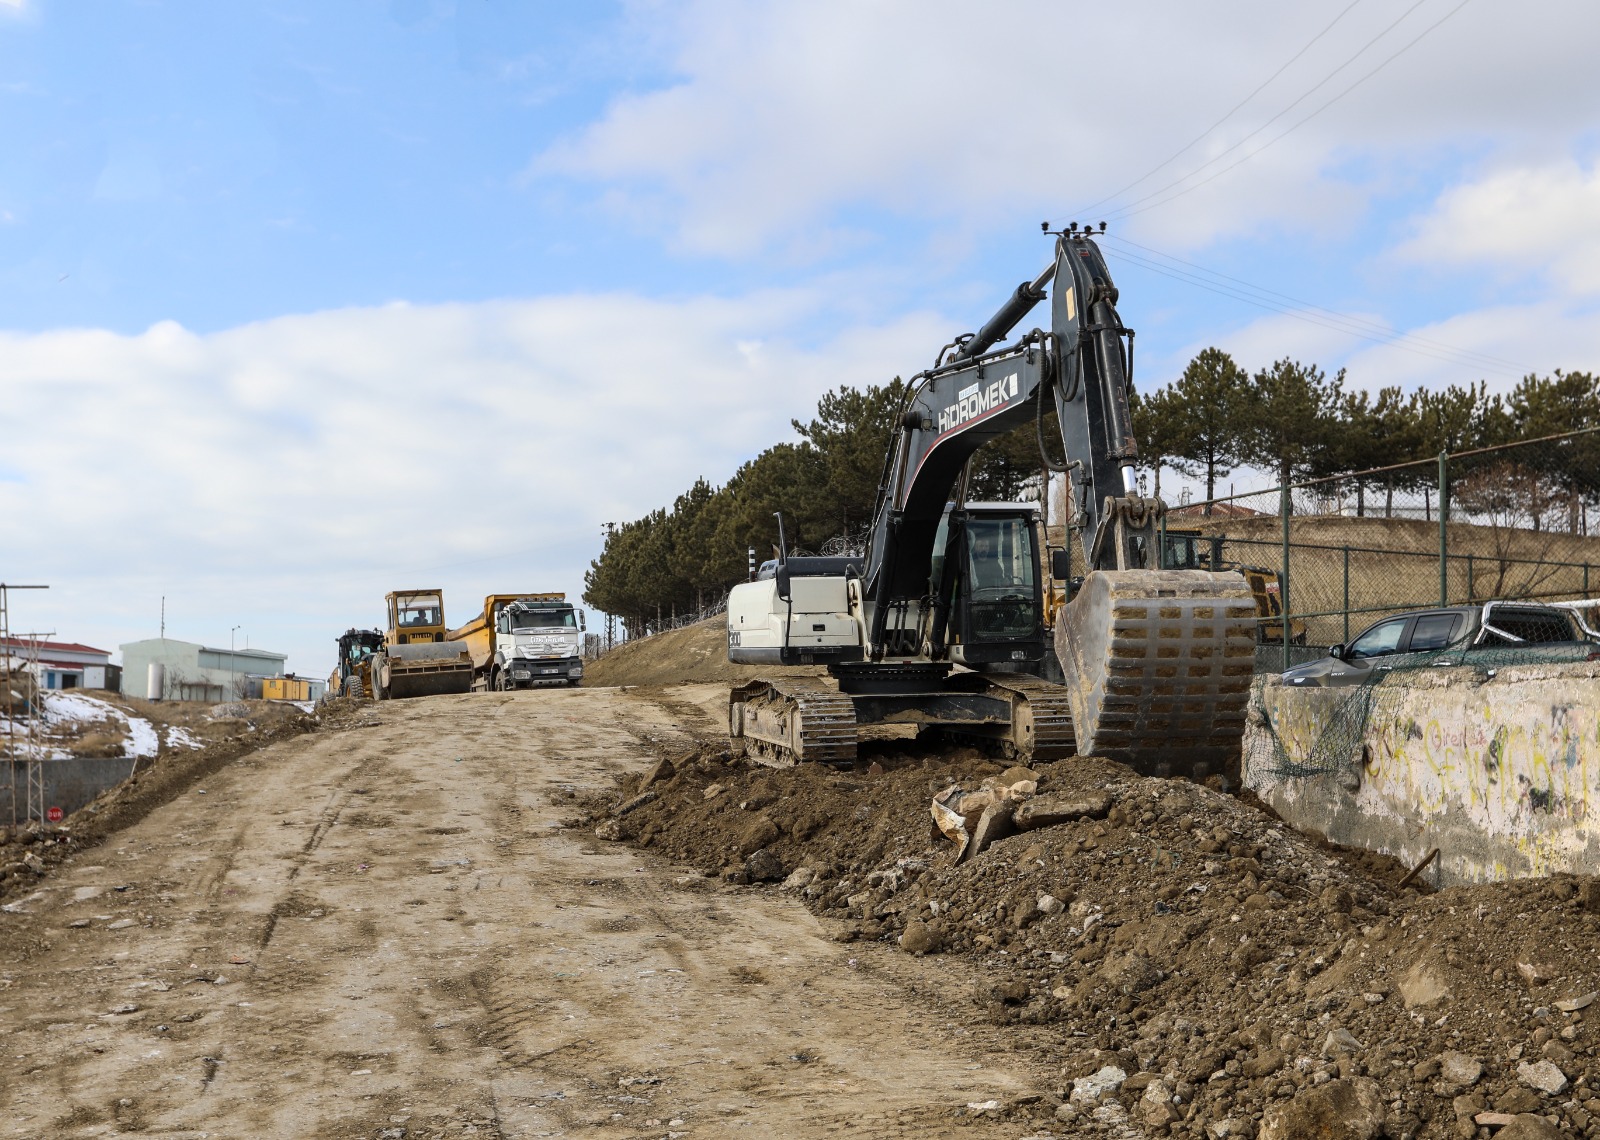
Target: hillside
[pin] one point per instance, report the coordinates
(696, 652)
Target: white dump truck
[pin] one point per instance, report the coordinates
(524, 640)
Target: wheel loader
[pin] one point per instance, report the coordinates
(941, 624)
(415, 659)
(352, 676)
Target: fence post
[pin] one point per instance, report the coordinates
(1346, 640)
(1444, 517)
(1470, 586)
(1283, 586)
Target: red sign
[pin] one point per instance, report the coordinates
(55, 814)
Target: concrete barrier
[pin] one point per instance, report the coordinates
(68, 784)
(1500, 771)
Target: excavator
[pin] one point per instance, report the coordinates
(941, 624)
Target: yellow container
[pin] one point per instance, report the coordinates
(285, 689)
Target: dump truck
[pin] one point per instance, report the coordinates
(524, 641)
(416, 660)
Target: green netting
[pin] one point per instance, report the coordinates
(1338, 746)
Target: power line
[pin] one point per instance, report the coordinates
(1269, 298)
(1137, 207)
(1192, 143)
(1338, 322)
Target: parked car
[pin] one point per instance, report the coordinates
(1447, 636)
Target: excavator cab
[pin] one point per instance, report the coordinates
(993, 585)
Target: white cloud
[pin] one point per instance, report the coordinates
(1541, 218)
(285, 474)
(784, 115)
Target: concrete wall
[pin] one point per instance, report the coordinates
(1501, 772)
(68, 784)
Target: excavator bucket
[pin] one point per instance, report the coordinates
(425, 670)
(1158, 666)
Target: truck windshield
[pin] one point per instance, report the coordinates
(542, 619)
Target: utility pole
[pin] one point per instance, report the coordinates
(233, 680)
(34, 774)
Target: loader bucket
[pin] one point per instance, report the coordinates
(1158, 666)
(427, 670)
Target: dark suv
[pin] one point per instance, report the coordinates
(1422, 636)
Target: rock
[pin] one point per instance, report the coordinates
(1467, 1106)
(635, 803)
(1094, 1088)
(1155, 1107)
(1340, 1043)
(1338, 1110)
(608, 830)
(1016, 774)
(1014, 992)
(1129, 973)
(758, 833)
(1263, 1064)
(1231, 1128)
(765, 867)
(659, 772)
(1517, 1099)
(995, 823)
(1048, 811)
(1424, 985)
(1459, 1070)
(799, 878)
(1022, 789)
(919, 938)
(120, 924)
(1557, 1053)
(1527, 1126)
(1536, 973)
(1049, 904)
(1572, 1005)
(713, 791)
(1544, 1076)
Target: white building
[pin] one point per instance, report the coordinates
(59, 664)
(198, 672)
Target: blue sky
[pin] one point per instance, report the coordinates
(300, 302)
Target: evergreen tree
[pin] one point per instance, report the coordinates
(1291, 417)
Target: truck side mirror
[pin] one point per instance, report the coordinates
(782, 579)
(582, 625)
(1060, 565)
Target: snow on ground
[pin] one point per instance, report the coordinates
(63, 713)
(181, 738)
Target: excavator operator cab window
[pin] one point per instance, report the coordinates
(1001, 578)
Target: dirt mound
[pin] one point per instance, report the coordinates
(697, 652)
(1189, 959)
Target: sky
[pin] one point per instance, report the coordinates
(304, 302)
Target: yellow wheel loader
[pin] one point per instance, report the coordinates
(415, 659)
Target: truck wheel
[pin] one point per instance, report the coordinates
(499, 683)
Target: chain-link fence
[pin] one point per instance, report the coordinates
(1328, 557)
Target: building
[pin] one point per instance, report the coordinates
(198, 672)
(61, 664)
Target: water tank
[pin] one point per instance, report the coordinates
(155, 685)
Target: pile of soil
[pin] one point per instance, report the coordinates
(695, 653)
(1198, 967)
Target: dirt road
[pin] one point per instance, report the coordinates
(386, 931)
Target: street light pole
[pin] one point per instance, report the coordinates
(233, 679)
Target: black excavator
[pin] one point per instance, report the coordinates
(941, 624)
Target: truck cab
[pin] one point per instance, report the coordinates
(537, 641)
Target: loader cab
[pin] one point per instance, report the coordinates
(987, 565)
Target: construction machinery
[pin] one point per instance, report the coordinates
(352, 676)
(1184, 549)
(524, 641)
(941, 624)
(415, 660)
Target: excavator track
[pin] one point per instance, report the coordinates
(1158, 666)
(782, 723)
(1040, 727)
